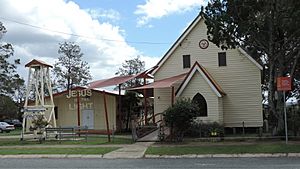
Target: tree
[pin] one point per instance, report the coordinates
(130, 100)
(130, 106)
(132, 67)
(70, 70)
(9, 78)
(268, 30)
(19, 96)
(180, 116)
(8, 108)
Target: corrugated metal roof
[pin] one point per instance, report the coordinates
(121, 79)
(111, 81)
(164, 83)
(184, 80)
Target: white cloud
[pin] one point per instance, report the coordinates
(150, 61)
(103, 14)
(102, 43)
(155, 9)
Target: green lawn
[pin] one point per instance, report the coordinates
(93, 140)
(15, 132)
(223, 149)
(14, 151)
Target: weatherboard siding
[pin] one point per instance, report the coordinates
(221, 110)
(240, 79)
(162, 99)
(99, 116)
(198, 84)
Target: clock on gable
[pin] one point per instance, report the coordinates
(203, 44)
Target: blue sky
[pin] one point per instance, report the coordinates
(163, 31)
(109, 31)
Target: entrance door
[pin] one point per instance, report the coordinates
(88, 118)
(200, 101)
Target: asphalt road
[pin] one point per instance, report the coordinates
(230, 163)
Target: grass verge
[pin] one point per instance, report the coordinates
(90, 141)
(224, 149)
(15, 132)
(16, 151)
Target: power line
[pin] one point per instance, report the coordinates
(83, 36)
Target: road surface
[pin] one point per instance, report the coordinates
(210, 163)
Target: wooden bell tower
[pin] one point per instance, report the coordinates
(38, 89)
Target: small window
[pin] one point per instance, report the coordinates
(186, 61)
(222, 58)
(56, 112)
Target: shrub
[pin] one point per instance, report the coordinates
(201, 129)
(293, 121)
(39, 122)
(180, 116)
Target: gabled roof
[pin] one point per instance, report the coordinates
(37, 62)
(208, 78)
(184, 35)
(177, 43)
(184, 79)
(83, 88)
(250, 58)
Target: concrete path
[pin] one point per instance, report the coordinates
(151, 137)
(136, 150)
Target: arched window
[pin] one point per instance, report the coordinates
(200, 101)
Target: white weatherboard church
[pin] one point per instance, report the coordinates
(227, 83)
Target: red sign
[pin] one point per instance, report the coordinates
(284, 83)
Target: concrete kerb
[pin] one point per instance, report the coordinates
(246, 155)
(149, 156)
(53, 156)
